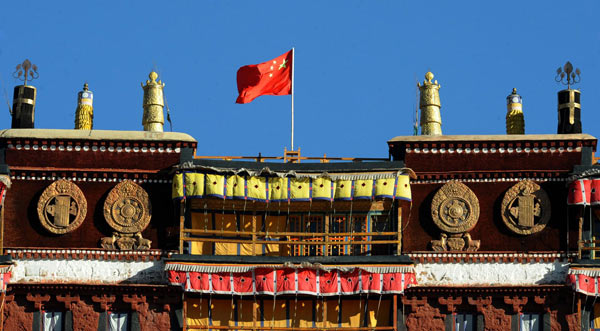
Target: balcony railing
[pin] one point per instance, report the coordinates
(589, 246)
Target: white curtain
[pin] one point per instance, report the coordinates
(530, 322)
(53, 321)
(463, 322)
(118, 321)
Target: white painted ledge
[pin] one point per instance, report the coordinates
(491, 274)
(87, 271)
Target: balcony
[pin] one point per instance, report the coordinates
(320, 228)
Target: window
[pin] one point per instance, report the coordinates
(463, 322)
(52, 321)
(529, 322)
(118, 321)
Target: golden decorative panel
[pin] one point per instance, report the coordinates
(127, 208)
(526, 208)
(455, 208)
(62, 207)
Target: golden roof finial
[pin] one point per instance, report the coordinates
(515, 121)
(153, 118)
(84, 114)
(429, 76)
(429, 103)
(153, 76)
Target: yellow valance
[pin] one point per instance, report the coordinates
(263, 188)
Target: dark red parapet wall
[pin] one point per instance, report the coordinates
(490, 166)
(96, 161)
(99, 149)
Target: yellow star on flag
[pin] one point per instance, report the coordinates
(283, 64)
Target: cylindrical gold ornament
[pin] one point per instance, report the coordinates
(84, 115)
(153, 119)
(515, 121)
(431, 119)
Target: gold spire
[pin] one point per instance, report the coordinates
(153, 119)
(431, 119)
(515, 122)
(84, 115)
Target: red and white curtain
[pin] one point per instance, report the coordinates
(585, 280)
(584, 192)
(277, 281)
(5, 274)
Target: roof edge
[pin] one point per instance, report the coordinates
(94, 135)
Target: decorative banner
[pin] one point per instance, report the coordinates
(261, 188)
(277, 281)
(585, 280)
(5, 274)
(584, 192)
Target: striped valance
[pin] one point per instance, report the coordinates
(349, 186)
(278, 281)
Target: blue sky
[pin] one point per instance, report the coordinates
(356, 68)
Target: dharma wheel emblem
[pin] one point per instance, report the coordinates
(526, 208)
(127, 208)
(455, 208)
(62, 207)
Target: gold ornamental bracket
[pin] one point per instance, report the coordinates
(526, 208)
(62, 207)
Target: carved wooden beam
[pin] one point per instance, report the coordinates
(67, 300)
(134, 300)
(38, 299)
(104, 300)
(414, 302)
(480, 302)
(516, 302)
(450, 302)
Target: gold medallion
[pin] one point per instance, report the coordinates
(127, 208)
(526, 208)
(455, 208)
(62, 207)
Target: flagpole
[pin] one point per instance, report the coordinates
(293, 76)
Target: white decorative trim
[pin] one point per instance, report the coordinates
(95, 148)
(500, 150)
(487, 180)
(592, 272)
(93, 179)
(488, 257)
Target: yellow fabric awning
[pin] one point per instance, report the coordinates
(194, 184)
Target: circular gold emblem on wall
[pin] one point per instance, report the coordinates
(127, 208)
(455, 208)
(526, 208)
(62, 207)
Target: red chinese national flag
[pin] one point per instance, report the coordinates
(268, 78)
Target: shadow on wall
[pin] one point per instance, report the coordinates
(556, 274)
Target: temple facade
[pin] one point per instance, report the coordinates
(135, 230)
